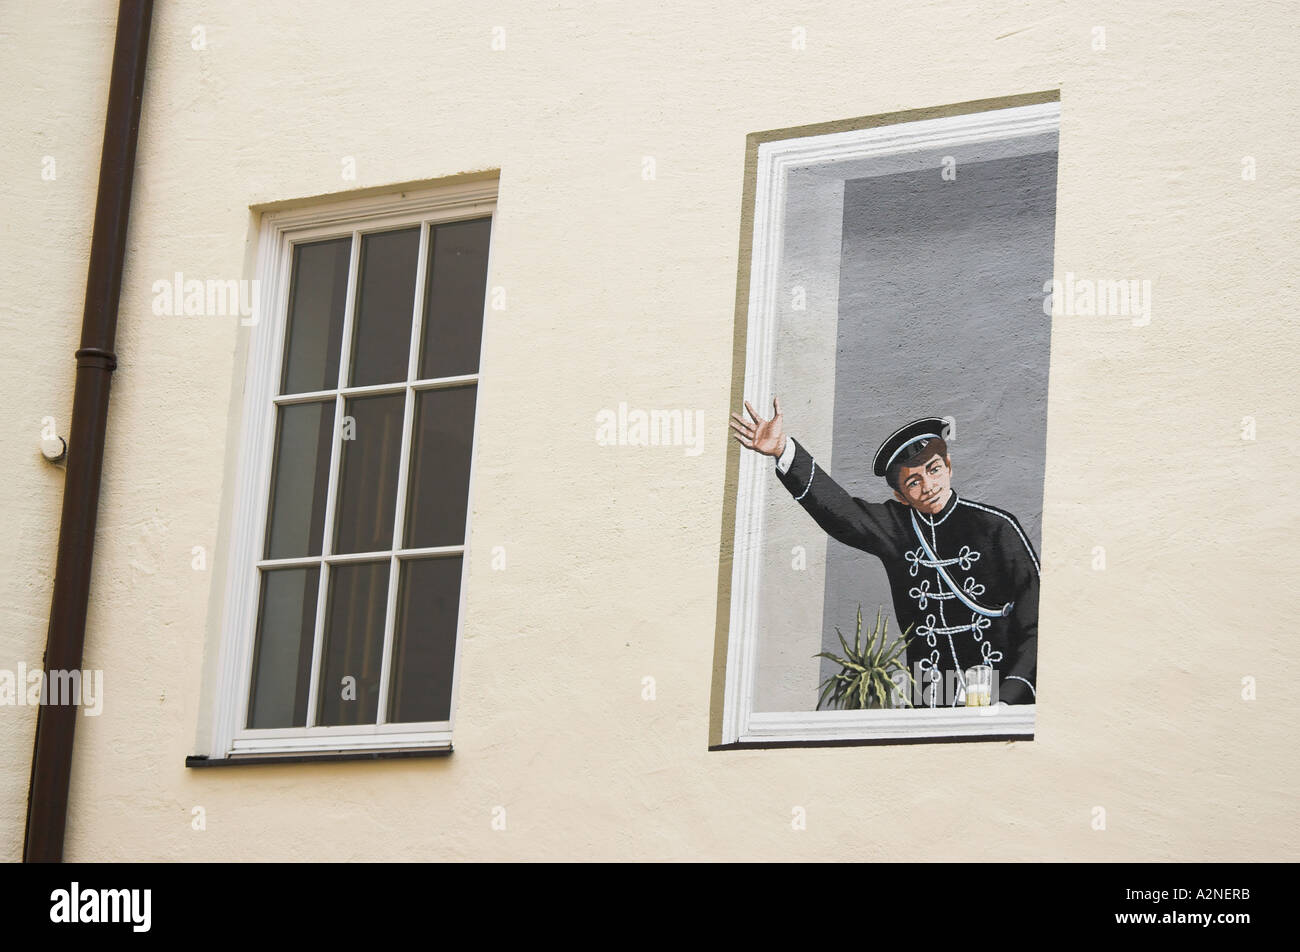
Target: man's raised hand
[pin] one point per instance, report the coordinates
(761, 436)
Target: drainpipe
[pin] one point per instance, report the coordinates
(47, 797)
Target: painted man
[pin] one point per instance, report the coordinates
(963, 575)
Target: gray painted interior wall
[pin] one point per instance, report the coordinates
(941, 313)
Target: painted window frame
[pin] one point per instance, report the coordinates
(279, 232)
(772, 157)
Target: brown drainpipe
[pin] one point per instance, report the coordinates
(47, 797)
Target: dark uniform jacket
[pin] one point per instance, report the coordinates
(979, 550)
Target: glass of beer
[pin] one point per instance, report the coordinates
(979, 686)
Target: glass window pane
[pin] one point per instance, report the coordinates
(316, 302)
(438, 488)
(381, 336)
(286, 624)
(354, 643)
(454, 297)
(424, 640)
(300, 480)
(367, 493)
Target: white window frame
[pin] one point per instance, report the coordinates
(835, 153)
(280, 231)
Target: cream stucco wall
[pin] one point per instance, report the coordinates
(621, 289)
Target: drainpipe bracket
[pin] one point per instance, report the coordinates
(96, 357)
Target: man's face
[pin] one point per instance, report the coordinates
(926, 488)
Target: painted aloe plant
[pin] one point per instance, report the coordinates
(868, 672)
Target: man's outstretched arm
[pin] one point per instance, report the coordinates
(853, 521)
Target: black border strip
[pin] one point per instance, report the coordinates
(196, 760)
(871, 741)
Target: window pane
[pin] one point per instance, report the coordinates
(424, 641)
(286, 624)
(302, 466)
(438, 491)
(354, 643)
(316, 302)
(454, 297)
(367, 494)
(381, 338)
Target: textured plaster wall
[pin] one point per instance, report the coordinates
(622, 289)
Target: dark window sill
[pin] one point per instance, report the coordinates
(314, 757)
